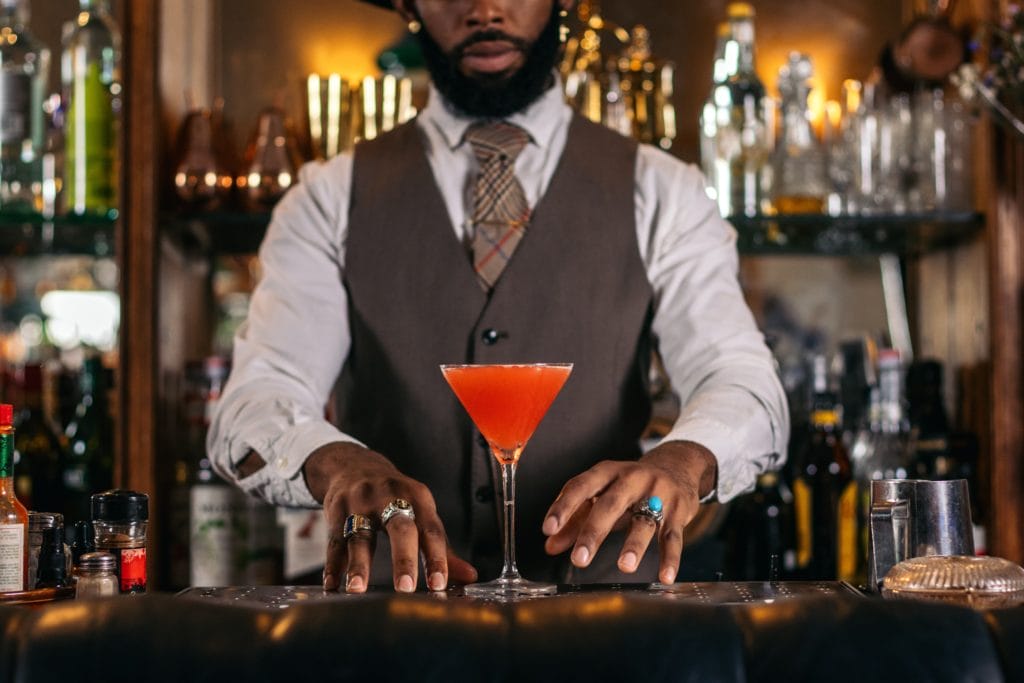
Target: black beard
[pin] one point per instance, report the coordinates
(494, 95)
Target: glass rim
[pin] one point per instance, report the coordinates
(445, 366)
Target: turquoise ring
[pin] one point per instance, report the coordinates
(651, 508)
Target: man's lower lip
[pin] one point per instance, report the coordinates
(491, 63)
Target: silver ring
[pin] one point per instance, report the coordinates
(651, 508)
(357, 525)
(399, 506)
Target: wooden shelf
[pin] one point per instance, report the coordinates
(26, 234)
(855, 235)
(240, 233)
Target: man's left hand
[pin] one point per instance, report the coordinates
(604, 498)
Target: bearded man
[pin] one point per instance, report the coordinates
(498, 227)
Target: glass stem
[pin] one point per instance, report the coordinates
(508, 500)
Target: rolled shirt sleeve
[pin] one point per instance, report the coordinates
(289, 351)
(716, 358)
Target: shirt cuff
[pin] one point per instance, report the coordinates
(281, 480)
(736, 474)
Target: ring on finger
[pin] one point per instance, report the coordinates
(398, 506)
(650, 508)
(357, 525)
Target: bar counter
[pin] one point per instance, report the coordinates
(600, 633)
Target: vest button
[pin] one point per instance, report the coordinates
(490, 336)
(484, 494)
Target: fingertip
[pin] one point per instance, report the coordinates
(331, 583)
(550, 525)
(355, 584)
(668, 575)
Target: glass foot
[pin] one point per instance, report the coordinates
(509, 588)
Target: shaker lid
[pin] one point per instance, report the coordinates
(980, 581)
(117, 505)
(97, 562)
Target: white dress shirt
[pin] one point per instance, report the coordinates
(290, 351)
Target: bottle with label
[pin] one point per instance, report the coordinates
(13, 515)
(743, 142)
(798, 163)
(120, 519)
(825, 494)
(88, 458)
(24, 65)
(92, 89)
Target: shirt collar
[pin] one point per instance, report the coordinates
(539, 120)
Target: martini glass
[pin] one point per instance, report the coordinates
(507, 402)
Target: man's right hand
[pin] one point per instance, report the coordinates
(350, 479)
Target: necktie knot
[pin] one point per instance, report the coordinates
(496, 140)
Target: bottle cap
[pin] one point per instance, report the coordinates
(120, 506)
(38, 521)
(740, 10)
(6, 415)
(97, 562)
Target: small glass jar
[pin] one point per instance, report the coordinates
(120, 519)
(38, 522)
(97, 576)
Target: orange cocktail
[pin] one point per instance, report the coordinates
(507, 402)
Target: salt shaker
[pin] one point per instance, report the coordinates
(97, 576)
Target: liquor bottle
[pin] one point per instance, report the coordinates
(24, 65)
(825, 494)
(928, 444)
(762, 544)
(91, 76)
(887, 457)
(233, 538)
(38, 447)
(88, 459)
(743, 142)
(798, 163)
(721, 71)
(13, 515)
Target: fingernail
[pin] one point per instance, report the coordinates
(330, 582)
(668, 575)
(580, 556)
(550, 525)
(405, 583)
(628, 561)
(436, 581)
(355, 583)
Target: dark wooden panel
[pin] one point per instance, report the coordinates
(1007, 279)
(137, 251)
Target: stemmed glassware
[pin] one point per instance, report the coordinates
(507, 402)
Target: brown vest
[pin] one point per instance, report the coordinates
(575, 291)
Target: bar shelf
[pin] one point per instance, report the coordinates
(907, 234)
(230, 232)
(31, 234)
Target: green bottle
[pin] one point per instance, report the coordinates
(91, 77)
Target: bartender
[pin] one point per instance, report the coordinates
(498, 227)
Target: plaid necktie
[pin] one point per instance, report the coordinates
(500, 212)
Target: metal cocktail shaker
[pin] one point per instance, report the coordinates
(916, 518)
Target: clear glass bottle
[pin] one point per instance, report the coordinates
(709, 112)
(97, 576)
(13, 515)
(742, 140)
(91, 77)
(24, 65)
(888, 456)
(798, 164)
